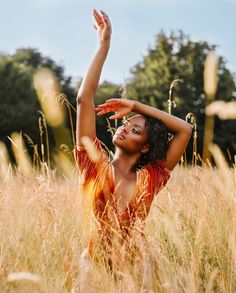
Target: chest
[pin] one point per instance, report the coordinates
(125, 189)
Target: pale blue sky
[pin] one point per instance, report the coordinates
(63, 29)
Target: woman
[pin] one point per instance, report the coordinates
(124, 188)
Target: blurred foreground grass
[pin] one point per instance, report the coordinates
(191, 231)
(44, 224)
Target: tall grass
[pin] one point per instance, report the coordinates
(191, 229)
(210, 87)
(191, 232)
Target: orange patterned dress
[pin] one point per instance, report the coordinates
(97, 180)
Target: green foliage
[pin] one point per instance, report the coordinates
(19, 104)
(106, 90)
(172, 57)
(18, 99)
(177, 57)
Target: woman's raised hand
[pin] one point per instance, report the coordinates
(102, 25)
(121, 107)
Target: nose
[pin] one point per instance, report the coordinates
(125, 128)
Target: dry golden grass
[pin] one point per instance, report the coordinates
(191, 231)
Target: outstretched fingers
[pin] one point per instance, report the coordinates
(101, 112)
(116, 116)
(98, 18)
(110, 103)
(113, 100)
(108, 106)
(101, 19)
(105, 18)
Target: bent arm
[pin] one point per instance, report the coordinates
(179, 128)
(86, 124)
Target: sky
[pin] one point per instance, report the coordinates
(63, 29)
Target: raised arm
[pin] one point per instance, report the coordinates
(86, 124)
(179, 128)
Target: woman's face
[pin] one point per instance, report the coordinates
(132, 135)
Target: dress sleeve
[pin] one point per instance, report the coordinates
(88, 169)
(159, 175)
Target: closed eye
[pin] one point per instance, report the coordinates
(136, 131)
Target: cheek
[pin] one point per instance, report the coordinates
(136, 142)
(141, 138)
(131, 143)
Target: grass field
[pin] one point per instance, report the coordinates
(191, 231)
(191, 228)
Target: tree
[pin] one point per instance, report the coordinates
(177, 57)
(106, 90)
(19, 104)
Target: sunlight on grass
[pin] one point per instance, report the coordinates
(190, 231)
(47, 222)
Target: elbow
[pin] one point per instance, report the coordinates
(185, 129)
(83, 104)
(85, 96)
(79, 99)
(83, 99)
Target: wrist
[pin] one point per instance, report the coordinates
(105, 43)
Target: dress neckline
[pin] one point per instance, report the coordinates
(135, 192)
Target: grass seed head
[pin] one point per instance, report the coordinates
(21, 154)
(222, 109)
(47, 89)
(210, 75)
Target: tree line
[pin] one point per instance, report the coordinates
(172, 57)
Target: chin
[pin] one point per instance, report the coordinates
(116, 141)
(121, 144)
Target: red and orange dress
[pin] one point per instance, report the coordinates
(97, 181)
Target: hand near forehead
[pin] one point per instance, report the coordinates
(102, 25)
(122, 107)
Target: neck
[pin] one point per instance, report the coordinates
(125, 162)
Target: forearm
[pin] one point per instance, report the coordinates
(174, 124)
(90, 81)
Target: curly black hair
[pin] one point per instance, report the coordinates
(158, 140)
